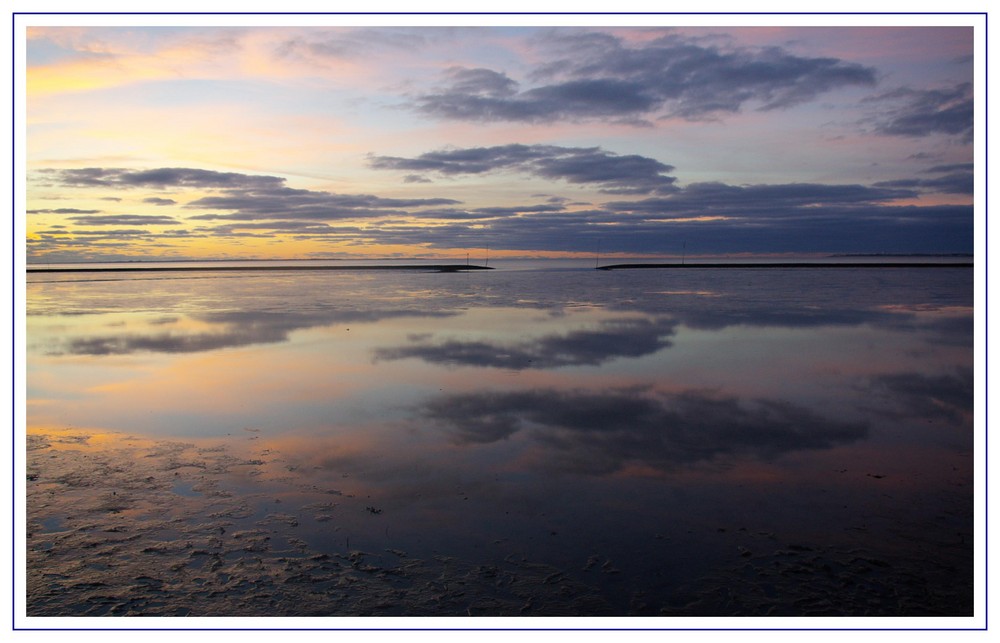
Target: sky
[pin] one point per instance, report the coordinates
(156, 142)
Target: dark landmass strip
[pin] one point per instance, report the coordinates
(894, 264)
(424, 268)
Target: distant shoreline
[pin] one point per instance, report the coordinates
(138, 267)
(135, 268)
(853, 264)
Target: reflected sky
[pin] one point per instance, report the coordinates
(557, 416)
(610, 340)
(605, 431)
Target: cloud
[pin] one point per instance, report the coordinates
(64, 211)
(600, 76)
(287, 203)
(610, 172)
(324, 46)
(158, 201)
(125, 219)
(120, 232)
(577, 99)
(290, 226)
(483, 82)
(612, 340)
(710, 217)
(952, 179)
(954, 167)
(770, 200)
(600, 432)
(960, 182)
(159, 178)
(717, 217)
(713, 216)
(660, 226)
(490, 212)
(248, 197)
(925, 112)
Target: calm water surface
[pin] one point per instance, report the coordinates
(517, 442)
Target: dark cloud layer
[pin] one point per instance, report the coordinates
(610, 172)
(950, 179)
(158, 201)
(64, 211)
(601, 432)
(722, 218)
(659, 229)
(167, 177)
(613, 339)
(602, 76)
(247, 197)
(709, 217)
(494, 212)
(288, 203)
(768, 200)
(919, 112)
(125, 219)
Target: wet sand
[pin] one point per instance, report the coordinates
(120, 525)
(149, 528)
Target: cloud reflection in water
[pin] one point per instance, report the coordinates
(612, 339)
(601, 432)
(234, 328)
(946, 397)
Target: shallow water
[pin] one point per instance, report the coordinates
(513, 442)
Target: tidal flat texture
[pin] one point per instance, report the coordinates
(160, 528)
(539, 441)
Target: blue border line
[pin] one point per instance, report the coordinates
(498, 13)
(13, 322)
(507, 13)
(14, 16)
(493, 629)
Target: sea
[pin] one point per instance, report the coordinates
(541, 439)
